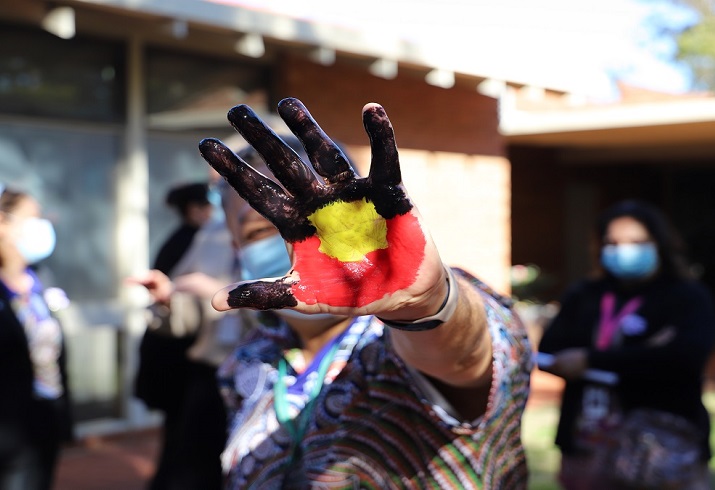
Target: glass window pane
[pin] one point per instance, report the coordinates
(43, 75)
(69, 172)
(190, 92)
(173, 159)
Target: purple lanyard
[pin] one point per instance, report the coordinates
(609, 321)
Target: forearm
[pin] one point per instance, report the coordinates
(458, 352)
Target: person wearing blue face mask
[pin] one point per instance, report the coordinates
(34, 413)
(374, 364)
(650, 328)
(186, 340)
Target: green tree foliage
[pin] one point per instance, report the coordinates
(696, 44)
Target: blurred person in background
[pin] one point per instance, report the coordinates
(186, 339)
(644, 321)
(324, 394)
(35, 408)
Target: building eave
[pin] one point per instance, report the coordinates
(334, 40)
(690, 121)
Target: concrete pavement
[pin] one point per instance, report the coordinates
(117, 462)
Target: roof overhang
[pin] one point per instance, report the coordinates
(222, 26)
(657, 124)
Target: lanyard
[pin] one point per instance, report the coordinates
(609, 321)
(297, 427)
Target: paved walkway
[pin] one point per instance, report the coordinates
(126, 461)
(118, 462)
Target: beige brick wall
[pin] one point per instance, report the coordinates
(465, 201)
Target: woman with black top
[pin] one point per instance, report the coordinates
(185, 341)
(646, 322)
(34, 403)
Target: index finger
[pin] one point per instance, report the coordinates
(280, 158)
(264, 195)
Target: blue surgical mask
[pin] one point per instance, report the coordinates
(267, 257)
(214, 197)
(36, 240)
(630, 260)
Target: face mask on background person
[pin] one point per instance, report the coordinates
(36, 239)
(630, 260)
(269, 257)
(214, 197)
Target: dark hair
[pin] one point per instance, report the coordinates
(668, 242)
(9, 199)
(180, 197)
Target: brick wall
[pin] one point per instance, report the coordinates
(425, 117)
(450, 150)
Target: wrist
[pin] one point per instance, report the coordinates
(443, 315)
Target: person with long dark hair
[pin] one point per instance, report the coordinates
(632, 344)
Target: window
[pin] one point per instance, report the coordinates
(191, 92)
(187, 99)
(42, 75)
(69, 171)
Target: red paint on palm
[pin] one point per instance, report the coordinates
(327, 280)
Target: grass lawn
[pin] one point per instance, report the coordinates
(538, 430)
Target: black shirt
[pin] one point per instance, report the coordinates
(666, 377)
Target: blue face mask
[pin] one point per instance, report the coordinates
(269, 258)
(36, 240)
(214, 197)
(264, 258)
(630, 260)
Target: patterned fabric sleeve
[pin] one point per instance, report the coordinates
(512, 360)
(493, 442)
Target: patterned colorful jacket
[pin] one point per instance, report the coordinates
(375, 423)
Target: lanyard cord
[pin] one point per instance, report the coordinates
(609, 322)
(297, 427)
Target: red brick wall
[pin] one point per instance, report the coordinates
(425, 117)
(450, 150)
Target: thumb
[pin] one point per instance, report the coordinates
(265, 294)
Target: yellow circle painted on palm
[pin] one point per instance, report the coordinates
(349, 230)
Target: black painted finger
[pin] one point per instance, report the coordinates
(385, 177)
(261, 295)
(326, 157)
(264, 195)
(385, 164)
(285, 163)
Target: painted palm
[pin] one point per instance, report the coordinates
(358, 243)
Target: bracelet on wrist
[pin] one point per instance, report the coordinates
(430, 322)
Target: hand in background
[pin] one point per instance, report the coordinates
(157, 283)
(570, 363)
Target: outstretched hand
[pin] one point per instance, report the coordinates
(359, 245)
